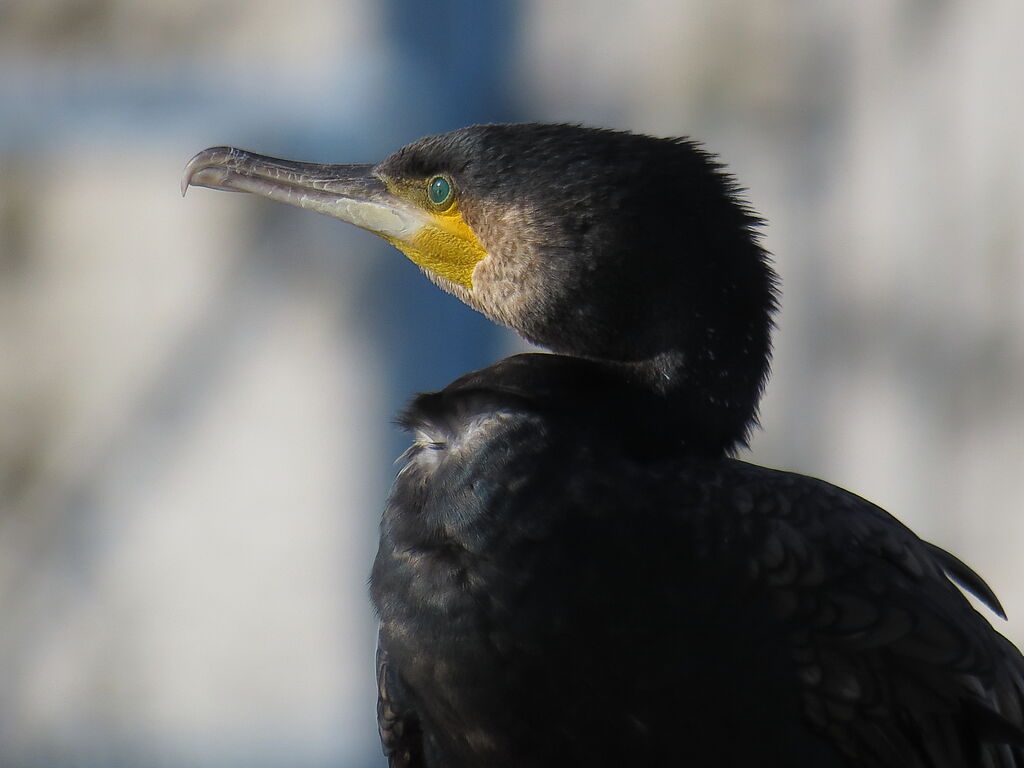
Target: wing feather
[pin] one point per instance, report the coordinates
(400, 733)
(895, 666)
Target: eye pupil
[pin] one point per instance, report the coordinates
(439, 190)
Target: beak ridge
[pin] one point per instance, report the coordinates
(352, 193)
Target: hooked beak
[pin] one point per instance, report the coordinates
(352, 193)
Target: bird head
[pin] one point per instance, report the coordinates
(595, 243)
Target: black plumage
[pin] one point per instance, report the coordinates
(573, 569)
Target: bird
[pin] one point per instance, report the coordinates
(574, 568)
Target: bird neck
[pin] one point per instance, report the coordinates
(697, 383)
(700, 358)
(709, 395)
(669, 403)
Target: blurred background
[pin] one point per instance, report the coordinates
(196, 395)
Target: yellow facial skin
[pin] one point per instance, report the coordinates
(445, 244)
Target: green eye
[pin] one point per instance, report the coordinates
(439, 190)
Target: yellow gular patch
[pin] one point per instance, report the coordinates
(446, 246)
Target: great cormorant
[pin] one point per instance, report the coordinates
(573, 570)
